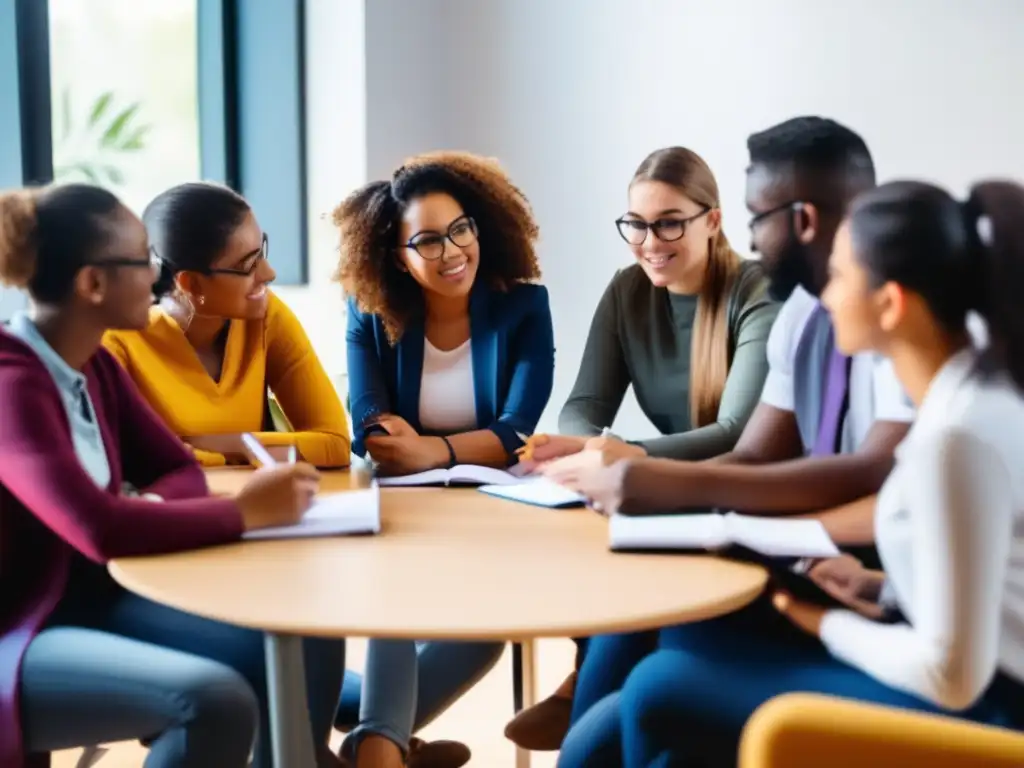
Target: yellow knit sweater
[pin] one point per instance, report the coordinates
(274, 352)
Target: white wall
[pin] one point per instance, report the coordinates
(572, 94)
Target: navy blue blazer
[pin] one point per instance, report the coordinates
(513, 347)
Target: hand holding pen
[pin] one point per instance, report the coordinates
(276, 494)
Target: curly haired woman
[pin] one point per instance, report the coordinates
(450, 360)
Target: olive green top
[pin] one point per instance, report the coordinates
(641, 335)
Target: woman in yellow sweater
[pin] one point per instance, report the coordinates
(218, 339)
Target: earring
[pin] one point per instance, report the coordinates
(202, 300)
(184, 300)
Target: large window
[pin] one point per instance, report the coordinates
(139, 95)
(124, 94)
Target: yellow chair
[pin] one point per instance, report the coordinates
(800, 730)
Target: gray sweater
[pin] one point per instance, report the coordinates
(641, 335)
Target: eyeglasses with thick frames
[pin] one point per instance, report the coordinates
(634, 230)
(430, 245)
(259, 255)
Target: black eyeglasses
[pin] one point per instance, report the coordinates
(757, 218)
(430, 245)
(124, 261)
(261, 254)
(634, 230)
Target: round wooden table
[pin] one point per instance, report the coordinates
(451, 564)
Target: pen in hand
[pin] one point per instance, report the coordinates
(261, 453)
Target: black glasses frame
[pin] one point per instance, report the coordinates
(463, 219)
(124, 261)
(261, 254)
(657, 226)
(792, 205)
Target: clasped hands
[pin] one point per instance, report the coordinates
(403, 451)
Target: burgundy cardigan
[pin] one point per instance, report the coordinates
(52, 512)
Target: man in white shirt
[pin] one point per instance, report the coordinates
(791, 458)
(803, 173)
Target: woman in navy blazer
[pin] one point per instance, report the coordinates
(450, 360)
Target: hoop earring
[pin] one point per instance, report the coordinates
(184, 300)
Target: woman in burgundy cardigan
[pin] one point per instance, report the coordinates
(87, 473)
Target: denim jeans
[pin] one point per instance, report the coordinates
(408, 684)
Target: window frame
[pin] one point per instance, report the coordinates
(250, 55)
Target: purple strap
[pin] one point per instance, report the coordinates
(836, 382)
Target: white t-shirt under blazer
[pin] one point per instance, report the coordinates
(949, 527)
(447, 391)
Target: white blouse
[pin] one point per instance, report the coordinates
(447, 391)
(949, 527)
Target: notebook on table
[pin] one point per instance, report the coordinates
(461, 474)
(767, 536)
(346, 513)
(538, 491)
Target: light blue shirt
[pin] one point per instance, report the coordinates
(85, 428)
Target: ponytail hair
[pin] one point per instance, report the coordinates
(18, 237)
(189, 225)
(994, 218)
(958, 256)
(48, 234)
(710, 351)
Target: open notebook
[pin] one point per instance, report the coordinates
(332, 514)
(769, 536)
(538, 491)
(461, 474)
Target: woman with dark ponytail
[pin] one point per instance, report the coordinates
(219, 339)
(941, 629)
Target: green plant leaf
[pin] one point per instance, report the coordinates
(65, 107)
(100, 107)
(112, 136)
(114, 174)
(65, 171)
(135, 140)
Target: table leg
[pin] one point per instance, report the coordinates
(524, 687)
(291, 734)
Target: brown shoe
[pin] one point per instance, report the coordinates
(542, 727)
(437, 754)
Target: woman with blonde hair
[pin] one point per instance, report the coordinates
(686, 326)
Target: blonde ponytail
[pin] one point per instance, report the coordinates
(710, 348)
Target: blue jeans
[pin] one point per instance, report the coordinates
(607, 662)
(408, 684)
(686, 704)
(189, 645)
(81, 687)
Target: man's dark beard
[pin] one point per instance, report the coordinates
(791, 268)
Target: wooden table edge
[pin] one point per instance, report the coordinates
(652, 621)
